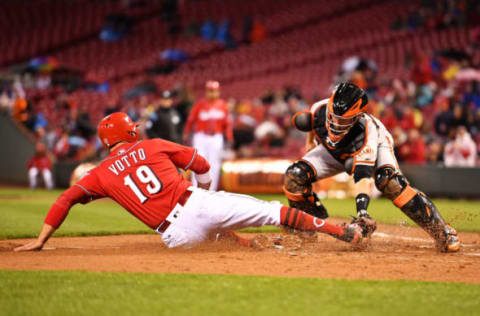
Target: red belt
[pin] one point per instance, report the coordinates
(209, 133)
(182, 200)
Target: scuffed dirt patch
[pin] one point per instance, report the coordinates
(394, 253)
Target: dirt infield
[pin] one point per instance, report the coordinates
(394, 253)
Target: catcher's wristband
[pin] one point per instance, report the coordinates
(362, 200)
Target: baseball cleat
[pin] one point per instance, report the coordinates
(451, 242)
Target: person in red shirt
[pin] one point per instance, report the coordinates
(142, 177)
(210, 122)
(40, 163)
(413, 151)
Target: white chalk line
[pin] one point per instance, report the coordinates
(79, 247)
(383, 235)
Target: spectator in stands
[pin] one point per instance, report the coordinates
(413, 151)
(112, 106)
(40, 164)
(208, 31)
(269, 134)
(20, 110)
(422, 70)
(461, 151)
(434, 153)
(62, 147)
(244, 124)
(83, 123)
(165, 121)
(224, 35)
(185, 100)
(389, 119)
(247, 29)
(258, 32)
(473, 120)
(6, 100)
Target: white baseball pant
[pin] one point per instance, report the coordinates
(47, 177)
(211, 148)
(208, 212)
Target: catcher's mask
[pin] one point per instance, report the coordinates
(115, 128)
(345, 107)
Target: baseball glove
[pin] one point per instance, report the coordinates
(366, 223)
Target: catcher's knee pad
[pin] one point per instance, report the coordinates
(390, 182)
(298, 189)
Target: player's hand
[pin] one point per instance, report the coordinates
(31, 246)
(366, 223)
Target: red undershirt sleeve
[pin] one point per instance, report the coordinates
(87, 189)
(59, 210)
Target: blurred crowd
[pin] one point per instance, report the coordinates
(434, 115)
(437, 15)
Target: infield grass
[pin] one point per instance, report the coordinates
(95, 293)
(22, 213)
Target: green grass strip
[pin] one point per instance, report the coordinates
(93, 293)
(22, 212)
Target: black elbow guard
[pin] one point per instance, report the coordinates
(361, 172)
(303, 121)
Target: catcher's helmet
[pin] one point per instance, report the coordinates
(117, 127)
(346, 105)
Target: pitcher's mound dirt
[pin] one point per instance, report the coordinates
(394, 253)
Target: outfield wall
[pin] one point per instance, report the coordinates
(16, 150)
(445, 182)
(433, 180)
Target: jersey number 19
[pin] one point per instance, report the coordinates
(145, 175)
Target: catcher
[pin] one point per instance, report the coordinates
(343, 137)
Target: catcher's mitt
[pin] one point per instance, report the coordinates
(366, 223)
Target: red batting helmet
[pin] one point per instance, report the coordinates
(117, 127)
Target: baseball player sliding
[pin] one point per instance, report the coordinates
(210, 121)
(342, 137)
(142, 177)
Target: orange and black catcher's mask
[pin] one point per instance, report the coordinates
(345, 107)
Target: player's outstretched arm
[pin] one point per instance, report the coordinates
(56, 215)
(37, 244)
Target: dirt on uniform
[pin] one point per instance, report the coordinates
(394, 253)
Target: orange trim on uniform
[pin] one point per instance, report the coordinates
(354, 110)
(364, 162)
(293, 196)
(407, 194)
(297, 114)
(330, 103)
(311, 166)
(428, 211)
